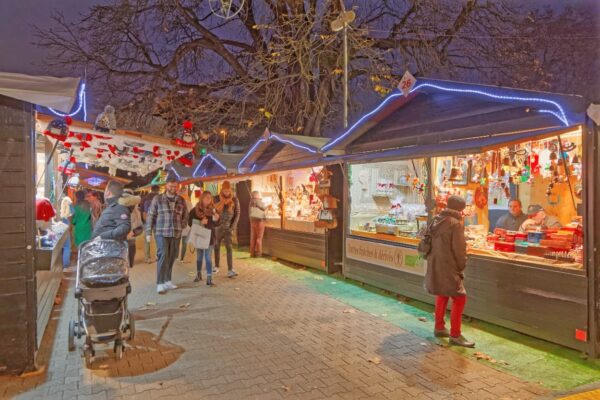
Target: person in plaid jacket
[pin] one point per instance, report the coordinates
(167, 216)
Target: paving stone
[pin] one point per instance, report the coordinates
(273, 338)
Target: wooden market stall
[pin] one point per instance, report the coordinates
(489, 145)
(293, 177)
(27, 294)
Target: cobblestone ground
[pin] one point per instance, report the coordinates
(259, 336)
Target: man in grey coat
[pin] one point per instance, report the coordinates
(445, 266)
(115, 221)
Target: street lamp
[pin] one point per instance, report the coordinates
(224, 133)
(341, 23)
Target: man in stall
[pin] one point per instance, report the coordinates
(514, 218)
(538, 219)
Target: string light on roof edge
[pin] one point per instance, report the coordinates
(202, 162)
(286, 141)
(82, 104)
(250, 152)
(560, 114)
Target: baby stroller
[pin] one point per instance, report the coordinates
(101, 289)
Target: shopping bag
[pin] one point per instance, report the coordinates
(199, 236)
(256, 213)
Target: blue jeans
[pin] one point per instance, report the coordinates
(206, 255)
(167, 252)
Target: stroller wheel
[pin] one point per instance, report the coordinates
(118, 350)
(71, 335)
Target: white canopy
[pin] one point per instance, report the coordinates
(47, 91)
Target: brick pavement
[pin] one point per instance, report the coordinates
(259, 336)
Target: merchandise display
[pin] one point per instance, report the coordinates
(302, 204)
(270, 188)
(545, 176)
(388, 200)
(48, 238)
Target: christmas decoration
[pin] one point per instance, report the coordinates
(58, 129)
(106, 120)
(186, 138)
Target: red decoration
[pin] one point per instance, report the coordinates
(67, 145)
(98, 155)
(44, 210)
(176, 152)
(68, 120)
(113, 149)
(102, 137)
(187, 124)
(82, 148)
(73, 160)
(155, 151)
(137, 150)
(185, 161)
(57, 136)
(168, 152)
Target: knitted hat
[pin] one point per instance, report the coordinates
(226, 185)
(534, 209)
(456, 203)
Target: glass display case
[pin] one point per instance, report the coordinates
(523, 200)
(388, 200)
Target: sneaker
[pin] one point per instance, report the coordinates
(160, 289)
(232, 274)
(148, 261)
(461, 341)
(198, 278)
(441, 333)
(209, 281)
(215, 270)
(170, 285)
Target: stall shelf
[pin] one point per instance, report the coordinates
(287, 170)
(478, 141)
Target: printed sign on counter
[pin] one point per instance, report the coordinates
(401, 258)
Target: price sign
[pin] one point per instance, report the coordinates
(407, 83)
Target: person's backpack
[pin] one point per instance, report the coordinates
(425, 244)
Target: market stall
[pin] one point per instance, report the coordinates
(25, 298)
(301, 190)
(492, 146)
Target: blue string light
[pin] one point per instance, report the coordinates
(295, 144)
(175, 172)
(204, 159)
(560, 113)
(82, 104)
(252, 150)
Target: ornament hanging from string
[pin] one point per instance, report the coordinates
(226, 9)
(106, 121)
(186, 138)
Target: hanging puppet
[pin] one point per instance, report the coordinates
(106, 121)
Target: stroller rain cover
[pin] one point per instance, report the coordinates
(103, 263)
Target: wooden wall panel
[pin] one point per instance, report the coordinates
(17, 232)
(301, 248)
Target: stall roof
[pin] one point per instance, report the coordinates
(126, 150)
(211, 165)
(47, 91)
(275, 151)
(440, 111)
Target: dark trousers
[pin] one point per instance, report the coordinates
(224, 235)
(167, 252)
(182, 248)
(131, 249)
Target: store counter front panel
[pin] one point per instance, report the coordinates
(303, 248)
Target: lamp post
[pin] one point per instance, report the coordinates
(341, 23)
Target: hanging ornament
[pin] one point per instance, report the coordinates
(67, 167)
(186, 138)
(106, 121)
(58, 128)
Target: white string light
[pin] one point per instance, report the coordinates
(82, 104)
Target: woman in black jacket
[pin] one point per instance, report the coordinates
(205, 214)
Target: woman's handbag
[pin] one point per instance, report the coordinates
(256, 213)
(199, 236)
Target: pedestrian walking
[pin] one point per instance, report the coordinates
(115, 221)
(257, 224)
(205, 215)
(182, 247)
(167, 216)
(81, 220)
(446, 263)
(131, 201)
(228, 207)
(147, 200)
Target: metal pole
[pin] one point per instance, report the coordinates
(345, 75)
